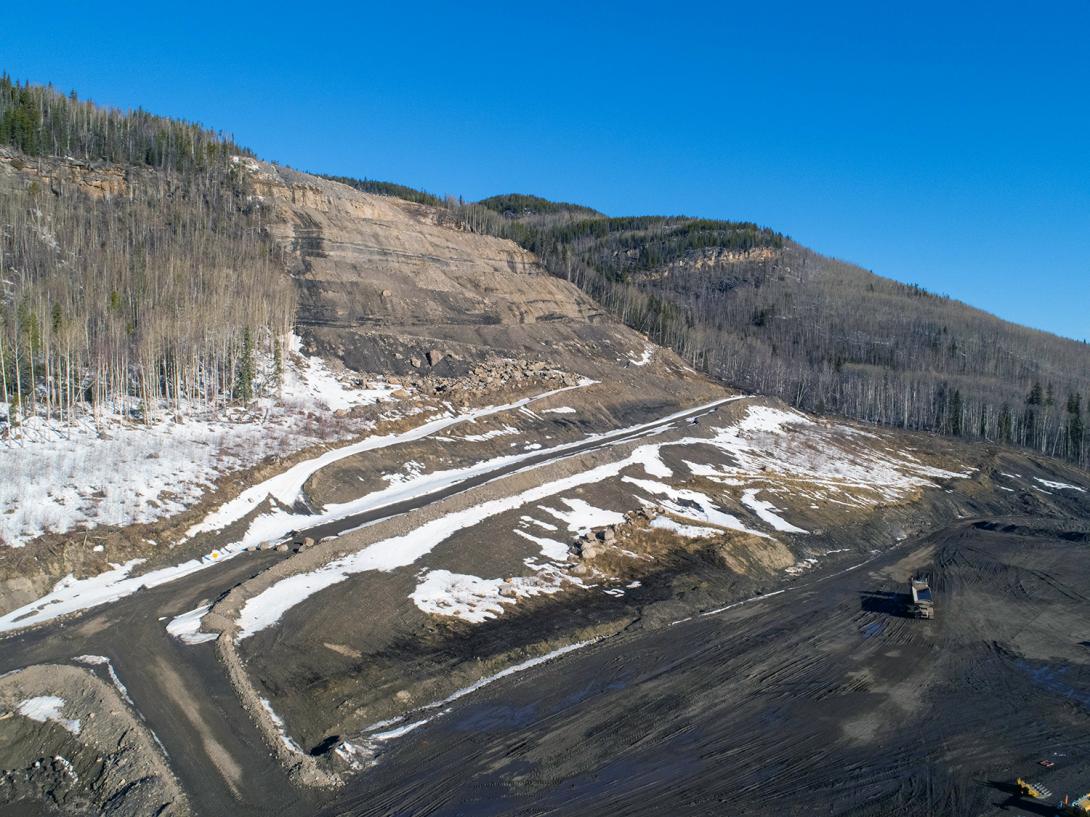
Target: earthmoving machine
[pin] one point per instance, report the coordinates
(1076, 808)
(1034, 790)
(922, 604)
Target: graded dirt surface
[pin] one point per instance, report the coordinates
(810, 694)
(824, 699)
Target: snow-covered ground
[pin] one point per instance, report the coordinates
(265, 609)
(59, 477)
(72, 595)
(285, 488)
(764, 444)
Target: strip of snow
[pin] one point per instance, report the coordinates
(503, 431)
(71, 595)
(47, 708)
(644, 358)
(532, 521)
(767, 511)
(688, 531)
(287, 486)
(530, 663)
(99, 660)
(559, 410)
(391, 734)
(280, 727)
(550, 548)
(187, 626)
(1060, 486)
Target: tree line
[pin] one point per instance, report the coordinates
(170, 291)
(39, 121)
(762, 313)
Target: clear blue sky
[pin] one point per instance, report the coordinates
(943, 144)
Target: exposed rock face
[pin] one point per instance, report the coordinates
(95, 179)
(381, 280)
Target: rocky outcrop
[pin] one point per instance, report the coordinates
(99, 180)
(390, 285)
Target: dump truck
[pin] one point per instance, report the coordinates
(922, 604)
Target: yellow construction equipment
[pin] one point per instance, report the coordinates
(1034, 790)
(1076, 808)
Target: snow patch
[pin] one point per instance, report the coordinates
(768, 512)
(688, 531)
(473, 599)
(582, 516)
(47, 708)
(550, 548)
(187, 626)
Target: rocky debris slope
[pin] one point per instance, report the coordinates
(390, 285)
(69, 743)
(494, 376)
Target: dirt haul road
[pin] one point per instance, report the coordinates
(181, 691)
(823, 699)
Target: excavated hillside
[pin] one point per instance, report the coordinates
(383, 281)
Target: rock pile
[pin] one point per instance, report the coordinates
(591, 544)
(493, 375)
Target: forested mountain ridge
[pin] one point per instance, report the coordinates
(119, 227)
(765, 314)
